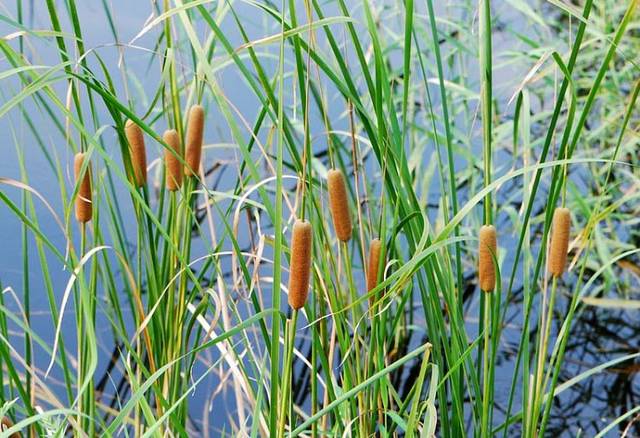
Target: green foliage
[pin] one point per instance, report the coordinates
(417, 104)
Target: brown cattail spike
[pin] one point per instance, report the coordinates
(559, 241)
(83, 198)
(195, 129)
(6, 423)
(374, 264)
(375, 250)
(300, 264)
(339, 204)
(172, 161)
(488, 251)
(138, 153)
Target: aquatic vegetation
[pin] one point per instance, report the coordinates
(319, 218)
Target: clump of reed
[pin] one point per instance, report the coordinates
(300, 269)
(487, 252)
(172, 161)
(84, 208)
(339, 204)
(559, 241)
(138, 153)
(195, 132)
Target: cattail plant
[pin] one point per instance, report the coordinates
(195, 129)
(138, 153)
(487, 252)
(339, 204)
(172, 160)
(559, 241)
(83, 199)
(300, 268)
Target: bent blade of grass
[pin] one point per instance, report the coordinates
(612, 303)
(294, 32)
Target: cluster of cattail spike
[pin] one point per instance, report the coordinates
(302, 232)
(558, 249)
(301, 242)
(559, 241)
(84, 208)
(173, 158)
(302, 238)
(300, 270)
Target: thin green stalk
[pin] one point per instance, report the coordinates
(486, 67)
(277, 258)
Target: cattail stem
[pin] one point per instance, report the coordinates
(138, 153)
(83, 199)
(287, 375)
(195, 131)
(339, 204)
(559, 241)
(300, 264)
(375, 249)
(487, 253)
(172, 161)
